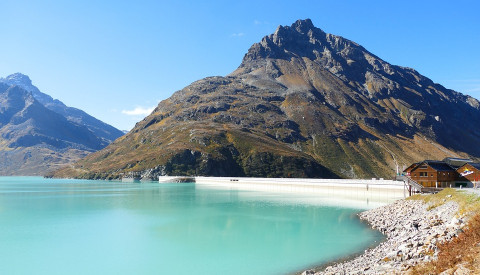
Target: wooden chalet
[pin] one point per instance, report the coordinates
(432, 173)
(450, 172)
(469, 174)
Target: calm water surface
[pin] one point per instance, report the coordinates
(98, 227)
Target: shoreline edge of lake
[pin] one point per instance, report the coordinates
(413, 230)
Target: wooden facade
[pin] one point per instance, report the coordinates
(410, 168)
(469, 173)
(433, 174)
(450, 172)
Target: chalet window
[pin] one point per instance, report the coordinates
(431, 175)
(423, 167)
(423, 174)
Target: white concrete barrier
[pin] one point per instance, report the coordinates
(385, 191)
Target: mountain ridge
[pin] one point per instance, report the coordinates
(318, 99)
(35, 139)
(99, 128)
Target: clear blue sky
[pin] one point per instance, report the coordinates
(112, 57)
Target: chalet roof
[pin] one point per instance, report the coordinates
(476, 165)
(439, 165)
(456, 162)
(413, 165)
(457, 159)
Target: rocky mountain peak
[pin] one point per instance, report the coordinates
(299, 28)
(98, 127)
(303, 103)
(301, 39)
(17, 79)
(303, 26)
(25, 83)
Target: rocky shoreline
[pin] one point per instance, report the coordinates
(413, 230)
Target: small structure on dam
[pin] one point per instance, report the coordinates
(175, 179)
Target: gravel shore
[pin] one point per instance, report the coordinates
(413, 232)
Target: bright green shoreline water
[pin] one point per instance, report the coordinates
(96, 227)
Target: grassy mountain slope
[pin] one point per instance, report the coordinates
(302, 103)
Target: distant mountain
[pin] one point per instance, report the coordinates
(99, 128)
(36, 139)
(302, 103)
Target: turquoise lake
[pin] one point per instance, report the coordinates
(99, 227)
